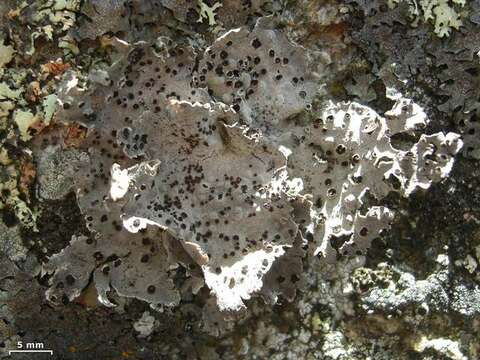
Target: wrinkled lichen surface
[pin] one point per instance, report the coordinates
(240, 179)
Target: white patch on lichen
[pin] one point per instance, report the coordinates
(408, 116)
(120, 181)
(237, 282)
(134, 224)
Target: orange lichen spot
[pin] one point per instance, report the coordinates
(75, 135)
(54, 68)
(27, 176)
(12, 14)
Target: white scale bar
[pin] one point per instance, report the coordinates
(30, 351)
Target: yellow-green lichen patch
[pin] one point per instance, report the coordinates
(444, 14)
(208, 12)
(6, 92)
(24, 120)
(49, 106)
(6, 53)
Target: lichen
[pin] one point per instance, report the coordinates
(441, 12)
(211, 156)
(6, 54)
(445, 347)
(207, 12)
(24, 120)
(444, 15)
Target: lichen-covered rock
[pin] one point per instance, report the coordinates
(215, 183)
(205, 147)
(345, 155)
(197, 141)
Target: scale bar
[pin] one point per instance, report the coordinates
(30, 351)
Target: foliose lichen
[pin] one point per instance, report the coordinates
(212, 158)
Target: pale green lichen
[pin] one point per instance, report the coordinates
(5, 108)
(6, 53)
(8, 99)
(58, 12)
(43, 31)
(6, 92)
(24, 120)
(208, 12)
(14, 97)
(442, 13)
(49, 107)
(49, 17)
(69, 46)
